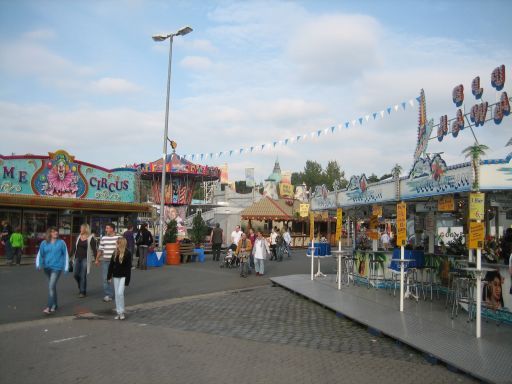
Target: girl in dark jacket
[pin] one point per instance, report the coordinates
(120, 269)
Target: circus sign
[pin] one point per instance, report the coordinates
(59, 175)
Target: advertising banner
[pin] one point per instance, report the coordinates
(377, 210)
(401, 224)
(339, 222)
(304, 210)
(476, 235)
(249, 177)
(476, 206)
(446, 204)
(286, 190)
(224, 174)
(311, 226)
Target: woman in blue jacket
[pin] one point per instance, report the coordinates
(53, 258)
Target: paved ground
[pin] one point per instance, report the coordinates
(199, 333)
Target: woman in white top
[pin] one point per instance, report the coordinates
(261, 250)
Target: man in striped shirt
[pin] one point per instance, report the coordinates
(107, 247)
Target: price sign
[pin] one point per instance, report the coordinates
(476, 206)
(446, 204)
(304, 210)
(476, 235)
(339, 222)
(377, 210)
(401, 224)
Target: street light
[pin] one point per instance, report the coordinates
(182, 32)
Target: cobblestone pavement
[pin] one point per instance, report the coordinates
(255, 335)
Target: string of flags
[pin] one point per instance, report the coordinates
(273, 144)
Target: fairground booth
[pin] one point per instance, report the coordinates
(421, 261)
(452, 216)
(37, 192)
(182, 177)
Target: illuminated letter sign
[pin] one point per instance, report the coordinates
(458, 95)
(498, 77)
(475, 88)
(443, 127)
(458, 123)
(478, 113)
(502, 108)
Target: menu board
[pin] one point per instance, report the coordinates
(401, 224)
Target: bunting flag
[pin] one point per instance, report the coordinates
(297, 138)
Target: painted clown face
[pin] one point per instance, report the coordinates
(61, 169)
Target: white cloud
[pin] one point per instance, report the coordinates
(335, 48)
(40, 34)
(196, 63)
(109, 85)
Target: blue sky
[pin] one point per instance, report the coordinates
(85, 76)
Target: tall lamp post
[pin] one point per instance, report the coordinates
(182, 32)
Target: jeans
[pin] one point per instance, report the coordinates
(53, 276)
(8, 251)
(81, 274)
(251, 261)
(107, 288)
(16, 252)
(119, 289)
(216, 251)
(259, 266)
(143, 252)
(273, 249)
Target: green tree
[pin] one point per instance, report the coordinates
(373, 178)
(198, 230)
(332, 173)
(474, 152)
(385, 176)
(297, 178)
(313, 174)
(171, 233)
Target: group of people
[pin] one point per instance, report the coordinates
(113, 253)
(251, 249)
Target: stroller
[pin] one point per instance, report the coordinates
(230, 259)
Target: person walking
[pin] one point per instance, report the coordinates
(53, 258)
(506, 252)
(287, 241)
(252, 237)
(273, 243)
(385, 239)
(83, 252)
(216, 240)
(17, 244)
(243, 250)
(261, 250)
(235, 237)
(129, 235)
(120, 269)
(144, 240)
(105, 250)
(5, 237)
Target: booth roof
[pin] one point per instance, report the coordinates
(31, 201)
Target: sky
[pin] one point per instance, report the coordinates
(85, 76)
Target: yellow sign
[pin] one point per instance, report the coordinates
(325, 215)
(311, 226)
(304, 210)
(285, 190)
(476, 206)
(476, 235)
(377, 210)
(339, 222)
(401, 224)
(374, 222)
(446, 204)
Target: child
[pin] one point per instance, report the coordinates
(17, 245)
(120, 268)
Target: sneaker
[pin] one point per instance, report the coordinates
(117, 317)
(106, 299)
(121, 316)
(82, 295)
(47, 311)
